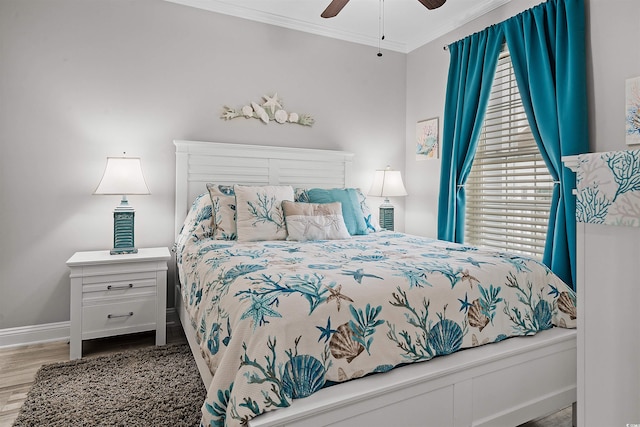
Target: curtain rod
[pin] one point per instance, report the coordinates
(445, 47)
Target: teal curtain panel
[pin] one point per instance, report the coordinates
(471, 72)
(547, 47)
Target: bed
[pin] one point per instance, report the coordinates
(375, 328)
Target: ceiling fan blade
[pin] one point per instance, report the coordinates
(334, 8)
(432, 4)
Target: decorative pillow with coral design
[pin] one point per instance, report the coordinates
(259, 212)
(223, 215)
(314, 221)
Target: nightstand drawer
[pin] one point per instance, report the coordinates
(117, 277)
(118, 318)
(98, 293)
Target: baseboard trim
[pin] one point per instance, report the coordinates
(25, 335)
(50, 332)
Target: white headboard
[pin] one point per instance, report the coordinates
(198, 163)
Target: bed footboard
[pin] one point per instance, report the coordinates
(476, 387)
(482, 386)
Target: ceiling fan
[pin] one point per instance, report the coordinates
(336, 6)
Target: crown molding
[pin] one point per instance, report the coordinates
(227, 8)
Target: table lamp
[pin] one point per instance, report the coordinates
(123, 176)
(387, 183)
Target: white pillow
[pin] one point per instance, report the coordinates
(314, 221)
(259, 212)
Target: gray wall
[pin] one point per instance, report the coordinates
(81, 80)
(613, 28)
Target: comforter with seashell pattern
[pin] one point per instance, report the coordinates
(278, 320)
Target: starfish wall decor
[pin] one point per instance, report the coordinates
(270, 109)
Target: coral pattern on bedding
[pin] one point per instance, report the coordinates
(279, 320)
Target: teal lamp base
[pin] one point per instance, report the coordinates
(123, 227)
(386, 215)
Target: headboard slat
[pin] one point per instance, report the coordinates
(198, 163)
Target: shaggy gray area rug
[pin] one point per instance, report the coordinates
(156, 386)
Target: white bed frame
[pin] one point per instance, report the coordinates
(503, 384)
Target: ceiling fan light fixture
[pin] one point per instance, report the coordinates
(380, 26)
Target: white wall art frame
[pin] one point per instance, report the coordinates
(427, 144)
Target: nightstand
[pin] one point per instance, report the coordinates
(117, 294)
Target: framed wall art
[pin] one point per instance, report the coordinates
(427, 146)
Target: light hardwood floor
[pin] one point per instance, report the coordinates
(18, 367)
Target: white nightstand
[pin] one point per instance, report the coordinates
(117, 294)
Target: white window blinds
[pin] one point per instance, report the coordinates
(509, 188)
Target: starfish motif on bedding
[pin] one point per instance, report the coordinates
(475, 263)
(465, 304)
(326, 332)
(359, 274)
(261, 307)
(337, 295)
(308, 223)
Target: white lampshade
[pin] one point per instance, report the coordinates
(387, 183)
(123, 175)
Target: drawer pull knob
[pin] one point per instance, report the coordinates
(113, 288)
(113, 316)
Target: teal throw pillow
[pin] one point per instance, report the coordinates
(351, 211)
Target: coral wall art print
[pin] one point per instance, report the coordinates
(427, 139)
(633, 110)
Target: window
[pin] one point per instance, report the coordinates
(509, 188)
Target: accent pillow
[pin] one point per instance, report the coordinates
(353, 217)
(314, 221)
(259, 210)
(223, 221)
(371, 221)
